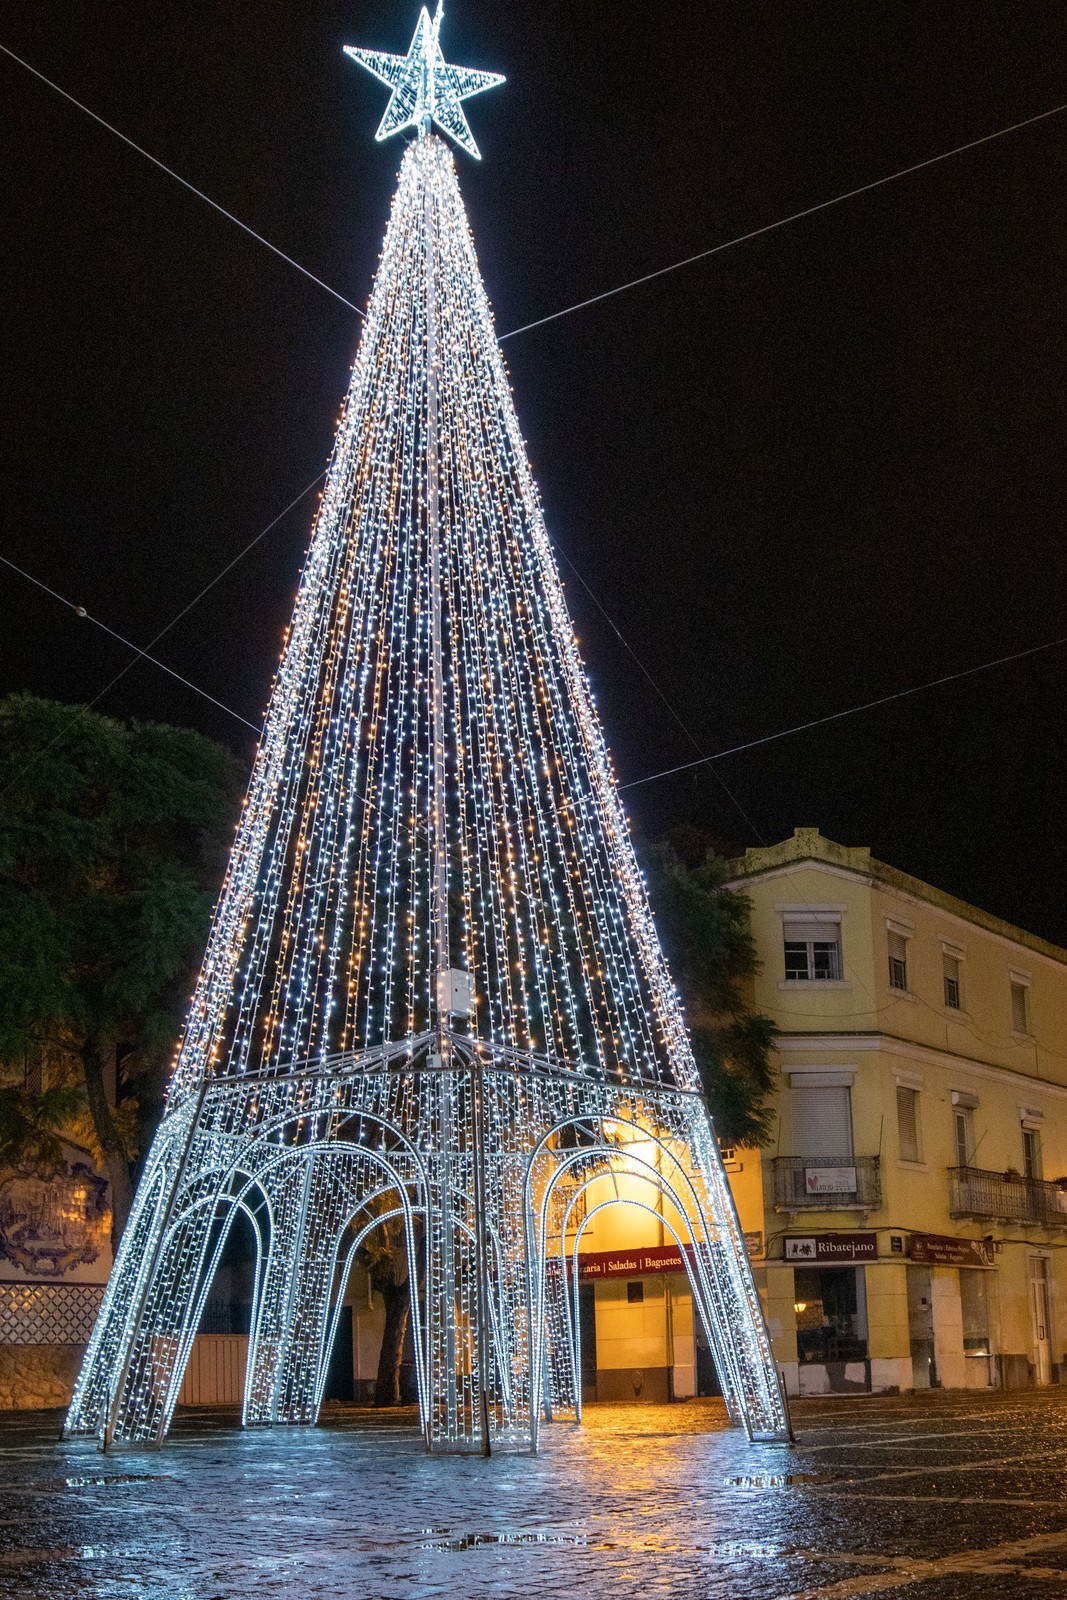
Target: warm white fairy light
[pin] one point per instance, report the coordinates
(422, 821)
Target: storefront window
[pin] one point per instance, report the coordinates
(974, 1299)
(831, 1314)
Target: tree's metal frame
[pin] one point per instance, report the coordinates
(319, 1152)
(431, 811)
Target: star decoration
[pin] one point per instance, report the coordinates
(425, 87)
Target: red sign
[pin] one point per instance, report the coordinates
(630, 1263)
(943, 1251)
(647, 1259)
(824, 1247)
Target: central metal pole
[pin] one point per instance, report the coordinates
(439, 893)
(439, 844)
(481, 1247)
(442, 996)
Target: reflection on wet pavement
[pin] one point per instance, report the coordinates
(936, 1498)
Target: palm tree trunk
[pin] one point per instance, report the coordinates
(116, 1163)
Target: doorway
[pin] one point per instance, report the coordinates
(587, 1339)
(339, 1374)
(1040, 1319)
(921, 1328)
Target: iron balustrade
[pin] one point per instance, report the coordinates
(827, 1183)
(1007, 1196)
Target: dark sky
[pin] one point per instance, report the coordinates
(819, 467)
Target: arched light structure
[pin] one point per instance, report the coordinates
(433, 985)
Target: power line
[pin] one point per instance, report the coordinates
(675, 713)
(262, 534)
(80, 610)
(580, 305)
(703, 760)
(634, 783)
(141, 151)
(143, 655)
(769, 227)
(836, 716)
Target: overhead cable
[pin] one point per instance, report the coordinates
(675, 713)
(592, 300)
(836, 716)
(141, 151)
(769, 227)
(143, 655)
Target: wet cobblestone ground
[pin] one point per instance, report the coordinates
(945, 1496)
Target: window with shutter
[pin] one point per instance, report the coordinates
(822, 1122)
(908, 1123)
(964, 1129)
(898, 961)
(1031, 1153)
(812, 950)
(952, 981)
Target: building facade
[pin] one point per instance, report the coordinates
(908, 1223)
(914, 1200)
(55, 1254)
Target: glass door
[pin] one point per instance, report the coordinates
(1040, 1319)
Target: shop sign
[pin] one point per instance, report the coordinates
(830, 1180)
(941, 1251)
(648, 1259)
(630, 1263)
(825, 1247)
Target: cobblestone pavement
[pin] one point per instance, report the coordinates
(943, 1496)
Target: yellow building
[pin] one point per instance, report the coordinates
(914, 1199)
(907, 1223)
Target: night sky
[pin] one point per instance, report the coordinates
(814, 469)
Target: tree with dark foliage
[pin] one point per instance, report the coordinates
(113, 841)
(704, 928)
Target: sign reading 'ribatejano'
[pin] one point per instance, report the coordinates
(825, 1247)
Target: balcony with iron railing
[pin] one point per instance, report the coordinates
(1006, 1197)
(827, 1183)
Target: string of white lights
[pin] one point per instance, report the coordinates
(328, 888)
(431, 781)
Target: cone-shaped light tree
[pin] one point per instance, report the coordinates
(433, 989)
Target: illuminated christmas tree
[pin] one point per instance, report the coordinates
(433, 988)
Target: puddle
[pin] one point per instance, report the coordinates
(777, 1480)
(473, 1541)
(747, 1550)
(29, 1558)
(118, 1477)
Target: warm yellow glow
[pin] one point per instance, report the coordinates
(799, 1306)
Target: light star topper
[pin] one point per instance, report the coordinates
(425, 88)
